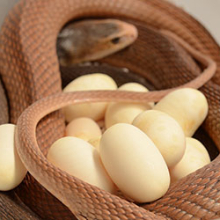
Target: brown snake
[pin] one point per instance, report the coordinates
(93, 39)
(29, 59)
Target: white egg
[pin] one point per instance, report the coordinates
(126, 112)
(134, 163)
(96, 81)
(12, 170)
(80, 159)
(195, 157)
(122, 113)
(84, 128)
(95, 142)
(187, 106)
(165, 132)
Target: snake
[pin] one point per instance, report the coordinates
(30, 71)
(90, 40)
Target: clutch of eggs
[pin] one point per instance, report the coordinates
(140, 149)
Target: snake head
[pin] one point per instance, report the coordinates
(90, 40)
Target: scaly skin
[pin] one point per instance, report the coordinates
(30, 71)
(90, 40)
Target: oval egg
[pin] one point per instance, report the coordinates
(84, 128)
(95, 81)
(126, 112)
(196, 156)
(95, 142)
(187, 106)
(165, 132)
(80, 159)
(134, 163)
(12, 170)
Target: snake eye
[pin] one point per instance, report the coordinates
(115, 40)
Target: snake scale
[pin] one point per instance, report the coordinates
(30, 71)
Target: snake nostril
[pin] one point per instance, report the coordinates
(115, 40)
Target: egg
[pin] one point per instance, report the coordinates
(187, 106)
(165, 132)
(84, 128)
(126, 112)
(80, 159)
(95, 142)
(195, 157)
(12, 170)
(96, 81)
(134, 163)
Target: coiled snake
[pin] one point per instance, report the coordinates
(30, 71)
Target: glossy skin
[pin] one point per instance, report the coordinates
(105, 37)
(27, 145)
(55, 13)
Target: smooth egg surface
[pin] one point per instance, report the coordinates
(165, 132)
(12, 170)
(187, 106)
(134, 163)
(95, 142)
(80, 159)
(196, 156)
(95, 81)
(126, 112)
(84, 128)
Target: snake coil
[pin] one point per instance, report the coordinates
(30, 71)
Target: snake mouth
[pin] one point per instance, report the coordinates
(127, 35)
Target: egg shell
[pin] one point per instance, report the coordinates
(165, 132)
(12, 170)
(187, 106)
(80, 159)
(96, 81)
(133, 86)
(134, 163)
(84, 128)
(126, 112)
(95, 142)
(123, 113)
(196, 156)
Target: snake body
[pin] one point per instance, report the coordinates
(30, 71)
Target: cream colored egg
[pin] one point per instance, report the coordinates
(123, 113)
(165, 132)
(195, 157)
(187, 106)
(126, 112)
(134, 163)
(95, 142)
(133, 86)
(12, 170)
(84, 128)
(96, 81)
(80, 159)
